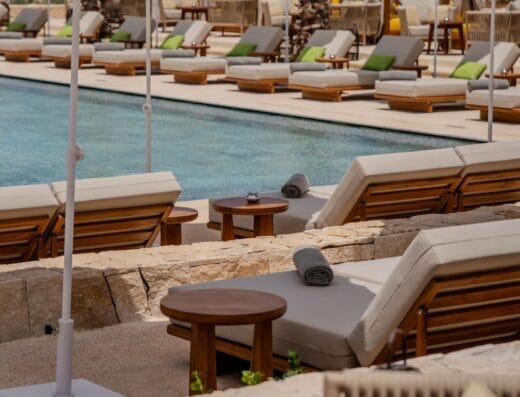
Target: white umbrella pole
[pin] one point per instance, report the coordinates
(147, 107)
(286, 31)
(48, 17)
(66, 324)
(491, 70)
(435, 37)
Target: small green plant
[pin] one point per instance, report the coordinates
(251, 378)
(295, 367)
(196, 384)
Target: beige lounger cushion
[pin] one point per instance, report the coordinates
(340, 44)
(193, 64)
(90, 22)
(435, 252)
(120, 191)
(505, 56)
(127, 56)
(488, 157)
(294, 219)
(375, 271)
(422, 88)
(28, 44)
(334, 78)
(265, 71)
(507, 99)
(65, 51)
(390, 167)
(27, 201)
(317, 335)
(197, 32)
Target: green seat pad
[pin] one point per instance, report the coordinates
(302, 54)
(311, 54)
(65, 31)
(379, 62)
(14, 26)
(120, 36)
(172, 42)
(469, 71)
(242, 50)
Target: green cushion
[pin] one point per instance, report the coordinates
(379, 62)
(312, 54)
(14, 26)
(302, 54)
(120, 36)
(65, 31)
(469, 70)
(172, 42)
(242, 50)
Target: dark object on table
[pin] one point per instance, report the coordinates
(253, 197)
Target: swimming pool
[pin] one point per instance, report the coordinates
(212, 151)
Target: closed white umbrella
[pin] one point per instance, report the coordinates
(435, 37)
(286, 30)
(48, 17)
(147, 107)
(491, 70)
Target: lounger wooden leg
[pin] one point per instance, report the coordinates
(17, 57)
(122, 70)
(422, 327)
(63, 63)
(411, 106)
(191, 79)
(322, 96)
(263, 87)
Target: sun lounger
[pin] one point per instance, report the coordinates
(21, 50)
(453, 287)
(265, 77)
(330, 84)
(266, 40)
(421, 95)
(25, 215)
(60, 54)
(119, 212)
(506, 104)
(27, 23)
(128, 61)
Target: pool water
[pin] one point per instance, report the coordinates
(212, 151)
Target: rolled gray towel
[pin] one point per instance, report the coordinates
(11, 35)
(483, 84)
(296, 186)
(179, 53)
(243, 61)
(307, 67)
(109, 46)
(397, 75)
(57, 40)
(312, 266)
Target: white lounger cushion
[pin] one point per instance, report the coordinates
(384, 168)
(507, 99)
(505, 56)
(375, 271)
(294, 219)
(90, 22)
(29, 44)
(422, 88)
(335, 78)
(340, 44)
(488, 157)
(197, 32)
(27, 201)
(120, 191)
(65, 51)
(435, 252)
(265, 71)
(193, 64)
(137, 55)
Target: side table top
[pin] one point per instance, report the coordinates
(240, 206)
(223, 306)
(182, 214)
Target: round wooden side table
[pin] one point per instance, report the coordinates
(171, 229)
(509, 76)
(206, 308)
(337, 63)
(262, 212)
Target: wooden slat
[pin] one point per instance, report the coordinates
(401, 208)
(10, 252)
(492, 186)
(478, 278)
(17, 237)
(105, 228)
(405, 196)
(133, 238)
(491, 198)
(120, 213)
(477, 295)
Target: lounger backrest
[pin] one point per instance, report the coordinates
(197, 32)
(136, 26)
(491, 174)
(405, 49)
(393, 185)
(461, 272)
(266, 38)
(506, 55)
(117, 212)
(25, 213)
(90, 23)
(181, 26)
(33, 18)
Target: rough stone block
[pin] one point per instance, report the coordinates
(14, 309)
(392, 245)
(249, 265)
(343, 254)
(281, 260)
(367, 252)
(205, 273)
(129, 296)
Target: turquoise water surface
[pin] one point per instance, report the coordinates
(212, 151)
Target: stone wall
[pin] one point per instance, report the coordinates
(122, 286)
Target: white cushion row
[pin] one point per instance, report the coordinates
(507, 99)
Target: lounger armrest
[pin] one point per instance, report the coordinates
(417, 68)
(267, 56)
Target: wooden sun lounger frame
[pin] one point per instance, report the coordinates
(418, 104)
(442, 319)
(265, 86)
(509, 115)
(198, 77)
(64, 62)
(125, 69)
(21, 56)
(326, 93)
